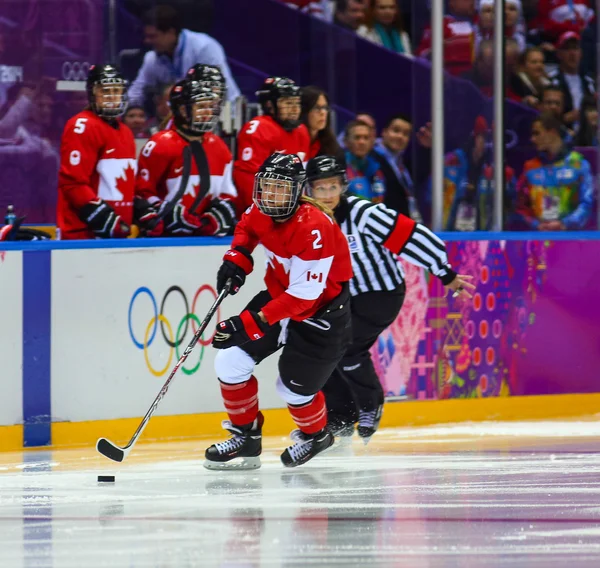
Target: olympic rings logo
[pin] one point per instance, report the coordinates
(75, 70)
(159, 320)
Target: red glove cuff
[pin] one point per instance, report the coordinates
(251, 326)
(240, 259)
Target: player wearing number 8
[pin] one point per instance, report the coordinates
(97, 163)
(277, 130)
(304, 311)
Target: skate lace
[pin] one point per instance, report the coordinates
(367, 419)
(235, 442)
(302, 445)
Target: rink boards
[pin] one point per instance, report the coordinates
(90, 333)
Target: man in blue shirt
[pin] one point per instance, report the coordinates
(174, 51)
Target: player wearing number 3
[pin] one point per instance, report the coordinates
(278, 130)
(304, 311)
(97, 163)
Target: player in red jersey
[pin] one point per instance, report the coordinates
(196, 202)
(97, 163)
(278, 130)
(304, 310)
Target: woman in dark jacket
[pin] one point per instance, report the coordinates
(316, 115)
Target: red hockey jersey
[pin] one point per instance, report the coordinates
(307, 260)
(459, 45)
(257, 140)
(96, 160)
(556, 17)
(160, 168)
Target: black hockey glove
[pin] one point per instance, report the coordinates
(237, 264)
(181, 222)
(221, 215)
(145, 215)
(103, 221)
(239, 330)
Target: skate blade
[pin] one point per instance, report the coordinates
(239, 464)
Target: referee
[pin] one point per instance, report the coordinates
(376, 237)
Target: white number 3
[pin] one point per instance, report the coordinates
(80, 125)
(317, 242)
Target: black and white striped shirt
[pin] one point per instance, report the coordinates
(372, 230)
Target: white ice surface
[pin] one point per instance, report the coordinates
(524, 498)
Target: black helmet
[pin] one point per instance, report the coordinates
(278, 185)
(106, 76)
(210, 77)
(323, 167)
(187, 92)
(273, 89)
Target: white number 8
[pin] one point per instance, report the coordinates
(148, 148)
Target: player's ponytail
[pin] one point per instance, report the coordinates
(320, 206)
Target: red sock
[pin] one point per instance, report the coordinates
(312, 417)
(241, 401)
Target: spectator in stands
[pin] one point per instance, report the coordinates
(369, 120)
(482, 73)
(174, 51)
(485, 25)
(469, 184)
(384, 26)
(349, 14)
(400, 189)
(553, 101)
(162, 110)
(527, 85)
(588, 125)
(459, 37)
(319, 8)
(135, 117)
(568, 77)
(512, 53)
(556, 17)
(316, 115)
(513, 14)
(555, 191)
(365, 178)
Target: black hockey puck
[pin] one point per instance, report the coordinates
(106, 479)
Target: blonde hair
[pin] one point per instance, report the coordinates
(319, 206)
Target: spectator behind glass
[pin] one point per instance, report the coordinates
(485, 25)
(513, 18)
(135, 117)
(459, 37)
(568, 77)
(384, 26)
(400, 192)
(174, 51)
(318, 8)
(349, 14)
(588, 125)
(527, 85)
(555, 191)
(482, 73)
(365, 178)
(162, 110)
(316, 115)
(556, 17)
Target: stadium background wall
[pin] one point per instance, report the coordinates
(90, 331)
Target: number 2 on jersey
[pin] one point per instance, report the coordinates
(317, 242)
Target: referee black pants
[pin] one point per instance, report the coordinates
(354, 385)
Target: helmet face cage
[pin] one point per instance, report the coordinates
(277, 195)
(206, 118)
(113, 105)
(276, 88)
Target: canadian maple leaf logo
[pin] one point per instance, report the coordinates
(126, 182)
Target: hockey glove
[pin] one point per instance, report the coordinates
(103, 221)
(145, 215)
(219, 218)
(181, 223)
(237, 264)
(239, 330)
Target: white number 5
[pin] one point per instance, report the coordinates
(317, 242)
(80, 125)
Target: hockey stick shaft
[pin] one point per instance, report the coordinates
(184, 356)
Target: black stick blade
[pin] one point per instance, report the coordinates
(109, 450)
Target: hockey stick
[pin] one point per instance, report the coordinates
(204, 173)
(118, 454)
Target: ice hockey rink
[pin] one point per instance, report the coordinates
(489, 494)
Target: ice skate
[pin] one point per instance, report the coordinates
(306, 447)
(368, 422)
(241, 451)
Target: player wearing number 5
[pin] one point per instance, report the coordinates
(97, 163)
(278, 130)
(304, 311)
